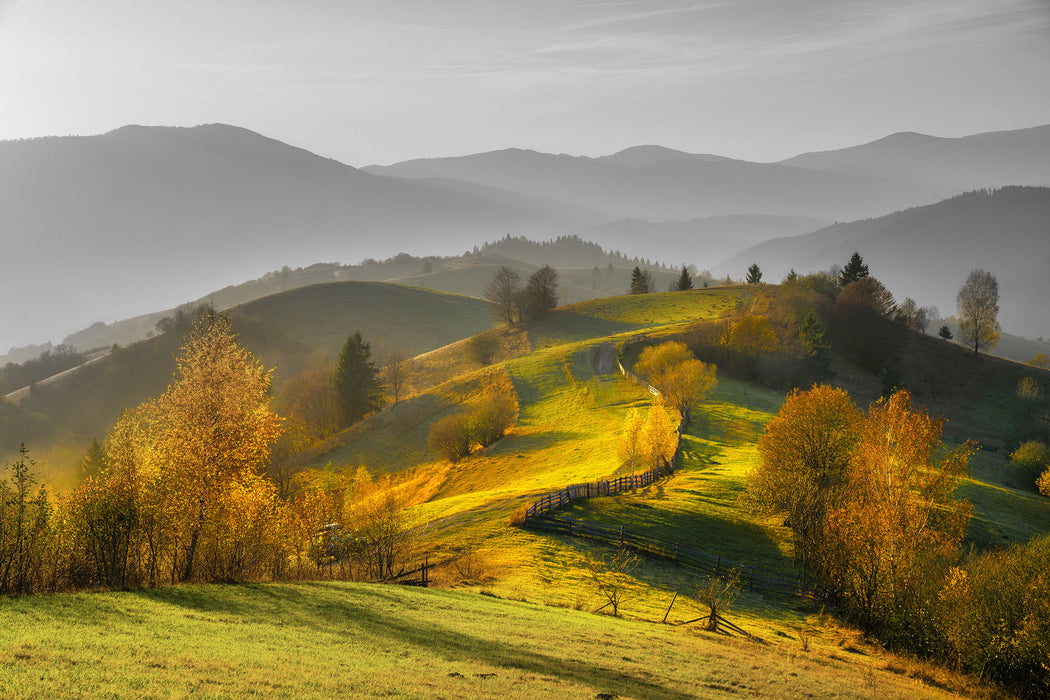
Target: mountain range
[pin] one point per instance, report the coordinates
(145, 218)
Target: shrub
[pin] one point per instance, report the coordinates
(450, 437)
(491, 420)
(996, 617)
(483, 348)
(1027, 463)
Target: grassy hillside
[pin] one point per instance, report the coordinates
(285, 331)
(279, 639)
(337, 639)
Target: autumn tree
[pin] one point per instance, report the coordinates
(1039, 360)
(854, 270)
(682, 380)
(754, 274)
(356, 380)
(212, 426)
(899, 522)
(684, 282)
(804, 455)
(630, 449)
(503, 292)
(978, 302)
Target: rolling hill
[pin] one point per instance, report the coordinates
(286, 331)
(927, 252)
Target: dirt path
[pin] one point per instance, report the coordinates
(605, 359)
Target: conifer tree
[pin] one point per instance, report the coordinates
(855, 269)
(754, 274)
(356, 380)
(684, 281)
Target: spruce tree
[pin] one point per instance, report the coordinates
(356, 380)
(684, 281)
(754, 274)
(855, 269)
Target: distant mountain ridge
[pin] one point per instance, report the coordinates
(144, 218)
(1020, 157)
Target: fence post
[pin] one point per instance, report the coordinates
(621, 535)
(426, 571)
(718, 566)
(675, 552)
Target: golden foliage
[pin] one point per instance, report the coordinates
(682, 380)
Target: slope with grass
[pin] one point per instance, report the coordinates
(362, 640)
(285, 331)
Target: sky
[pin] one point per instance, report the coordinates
(388, 80)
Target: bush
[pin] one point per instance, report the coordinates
(996, 617)
(493, 418)
(450, 437)
(483, 348)
(1027, 463)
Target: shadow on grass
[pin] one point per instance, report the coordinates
(383, 615)
(739, 541)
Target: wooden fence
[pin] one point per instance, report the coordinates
(746, 576)
(606, 487)
(415, 577)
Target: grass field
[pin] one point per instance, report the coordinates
(338, 639)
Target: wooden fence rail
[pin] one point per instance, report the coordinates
(746, 576)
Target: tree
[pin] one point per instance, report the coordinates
(483, 347)
(862, 326)
(979, 310)
(641, 281)
(899, 522)
(450, 437)
(682, 380)
(356, 381)
(1039, 360)
(945, 332)
(685, 282)
(212, 426)
(93, 462)
(395, 372)
(804, 462)
(504, 291)
(541, 292)
(754, 274)
(855, 270)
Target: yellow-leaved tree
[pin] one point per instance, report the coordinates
(209, 433)
(682, 380)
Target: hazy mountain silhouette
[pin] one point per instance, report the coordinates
(1020, 157)
(650, 182)
(144, 218)
(927, 252)
(704, 242)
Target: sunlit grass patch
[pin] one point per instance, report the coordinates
(337, 639)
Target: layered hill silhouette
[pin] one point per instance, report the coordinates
(658, 183)
(1020, 157)
(145, 218)
(927, 252)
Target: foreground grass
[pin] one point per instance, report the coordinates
(337, 639)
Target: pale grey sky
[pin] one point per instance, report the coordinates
(388, 80)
